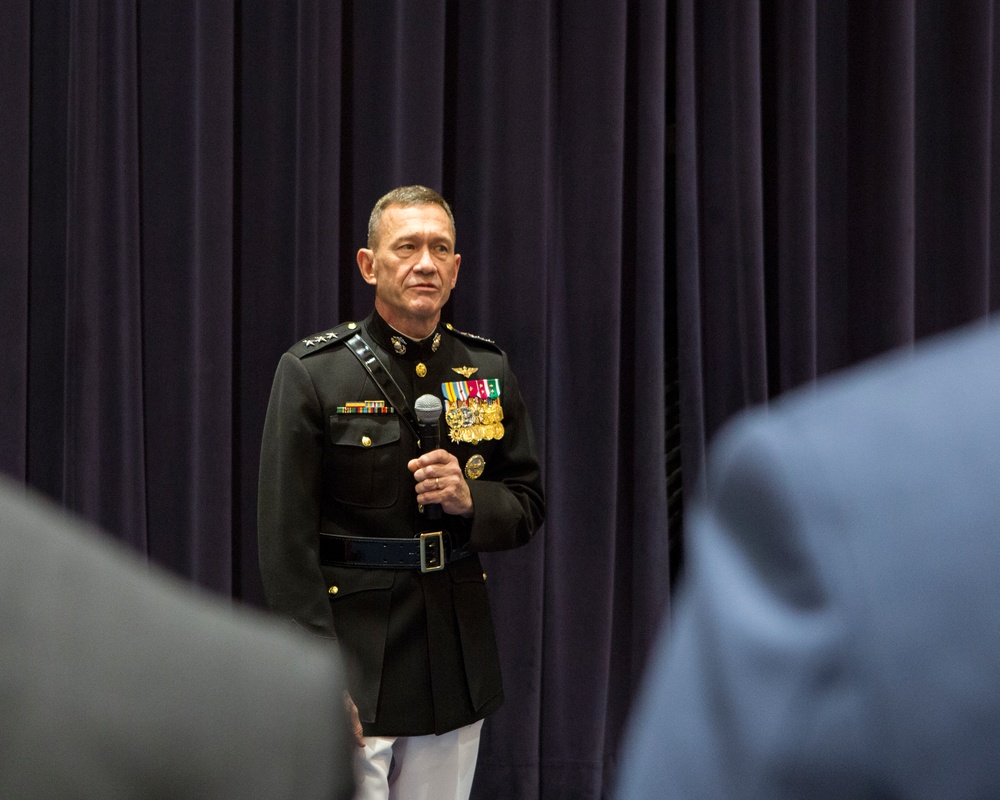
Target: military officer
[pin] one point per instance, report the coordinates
(371, 540)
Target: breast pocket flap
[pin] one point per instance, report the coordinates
(363, 430)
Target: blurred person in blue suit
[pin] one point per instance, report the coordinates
(118, 681)
(838, 629)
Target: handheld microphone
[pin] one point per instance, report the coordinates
(428, 409)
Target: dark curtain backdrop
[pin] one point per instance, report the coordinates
(837, 189)
(185, 184)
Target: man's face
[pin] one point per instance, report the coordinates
(413, 267)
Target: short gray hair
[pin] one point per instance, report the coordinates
(405, 196)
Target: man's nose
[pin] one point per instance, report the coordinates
(426, 262)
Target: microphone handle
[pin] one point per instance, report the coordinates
(430, 439)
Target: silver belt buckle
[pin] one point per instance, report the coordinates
(432, 551)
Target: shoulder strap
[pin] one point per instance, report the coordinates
(357, 345)
(471, 337)
(320, 341)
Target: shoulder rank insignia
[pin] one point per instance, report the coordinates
(320, 340)
(323, 337)
(473, 337)
(465, 372)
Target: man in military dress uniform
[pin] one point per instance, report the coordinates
(371, 540)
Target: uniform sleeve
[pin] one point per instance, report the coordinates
(510, 507)
(288, 510)
(757, 692)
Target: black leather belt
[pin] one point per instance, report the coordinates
(429, 552)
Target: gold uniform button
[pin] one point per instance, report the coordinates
(366, 442)
(351, 326)
(421, 369)
(334, 589)
(484, 577)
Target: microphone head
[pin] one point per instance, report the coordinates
(428, 408)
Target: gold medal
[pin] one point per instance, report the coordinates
(473, 410)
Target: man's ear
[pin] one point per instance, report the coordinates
(366, 263)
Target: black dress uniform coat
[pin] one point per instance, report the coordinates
(420, 646)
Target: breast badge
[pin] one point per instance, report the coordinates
(474, 467)
(473, 411)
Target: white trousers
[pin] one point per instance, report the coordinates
(418, 767)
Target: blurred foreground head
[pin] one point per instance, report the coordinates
(837, 633)
(118, 681)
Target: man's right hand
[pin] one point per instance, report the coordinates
(354, 720)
